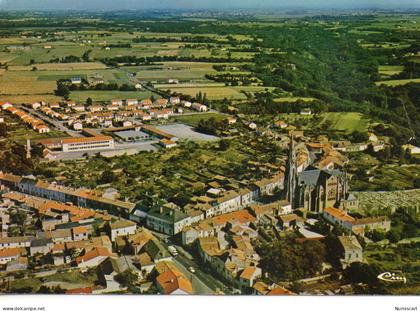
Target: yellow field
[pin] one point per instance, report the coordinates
(293, 99)
(25, 99)
(27, 87)
(397, 82)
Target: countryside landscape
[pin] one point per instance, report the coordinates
(266, 152)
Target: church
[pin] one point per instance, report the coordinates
(312, 188)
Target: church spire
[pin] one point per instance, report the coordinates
(28, 148)
(291, 172)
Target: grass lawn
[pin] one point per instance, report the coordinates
(73, 277)
(193, 120)
(347, 121)
(19, 284)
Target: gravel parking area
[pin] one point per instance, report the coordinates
(186, 132)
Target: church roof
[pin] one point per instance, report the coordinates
(311, 176)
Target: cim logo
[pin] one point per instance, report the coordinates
(392, 277)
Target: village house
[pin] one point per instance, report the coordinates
(78, 126)
(9, 254)
(269, 186)
(146, 104)
(199, 107)
(93, 257)
(358, 226)
(117, 102)
(80, 233)
(186, 104)
(160, 103)
(59, 235)
(166, 143)
(167, 219)
(248, 277)
(174, 100)
(352, 251)
(16, 242)
(121, 228)
(79, 108)
(41, 246)
(261, 288)
(76, 80)
(173, 282)
(95, 108)
(35, 106)
(131, 102)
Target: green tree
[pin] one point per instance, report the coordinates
(107, 177)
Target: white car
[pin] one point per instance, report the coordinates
(173, 251)
(191, 269)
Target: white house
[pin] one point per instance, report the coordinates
(93, 258)
(78, 126)
(175, 100)
(352, 250)
(131, 102)
(121, 228)
(186, 104)
(199, 107)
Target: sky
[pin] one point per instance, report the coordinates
(202, 4)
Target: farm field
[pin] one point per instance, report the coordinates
(218, 92)
(173, 70)
(60, 67)
(390, 70)
(293, 99)
(346, 121)
(193, 120)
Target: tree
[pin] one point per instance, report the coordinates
(3, 130)
(393, 235)
(107, 177)
(127, 278)
(287, 260)
(89, 101)
(62, 90)
(224, 144)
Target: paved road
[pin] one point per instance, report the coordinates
(59, 125)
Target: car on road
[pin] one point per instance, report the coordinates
(172, 250)
(191, 269)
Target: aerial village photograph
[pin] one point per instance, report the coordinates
(210, 148)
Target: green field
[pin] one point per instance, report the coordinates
(193, 120)
(174, 70)
(346, 121)
(218, 92)
(390, 70)
(293, 99)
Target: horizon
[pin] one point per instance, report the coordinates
(122, 5)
